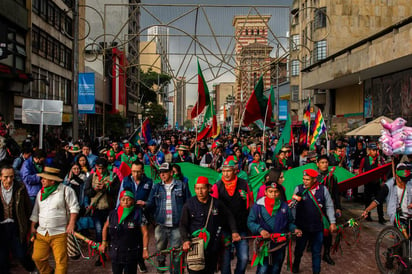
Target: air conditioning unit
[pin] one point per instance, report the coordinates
(319, 91)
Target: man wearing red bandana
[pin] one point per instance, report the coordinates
(128, 157)
(235, 194)
(315, 215)
(194, 222)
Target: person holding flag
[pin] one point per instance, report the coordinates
(204, 216)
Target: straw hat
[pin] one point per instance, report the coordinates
(75, 150)
(182, 147)
(51, 173)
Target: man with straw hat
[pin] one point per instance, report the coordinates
(203, 217)
(182, 155)
(52, 205)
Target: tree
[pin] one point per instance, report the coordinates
(156, 114)
(150, 83)
(115, 124)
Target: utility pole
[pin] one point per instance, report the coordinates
(75, 70)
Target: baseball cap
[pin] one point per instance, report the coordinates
(165, 167)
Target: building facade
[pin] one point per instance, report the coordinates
(338, 53)
(180, 102)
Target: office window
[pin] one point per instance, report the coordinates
(295, 93)
(295, 41)
(320, 18)
(295, 67)
(320, 50)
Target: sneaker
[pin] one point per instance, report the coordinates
(142, 267)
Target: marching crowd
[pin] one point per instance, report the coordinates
(101, 191)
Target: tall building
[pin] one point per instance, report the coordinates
(252, 56)
(180, 101)
(36, 58)
(160, 36)
(224, 91)
(346, 55)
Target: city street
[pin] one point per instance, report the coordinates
(359, 258)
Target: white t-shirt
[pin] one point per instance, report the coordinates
(404, 205)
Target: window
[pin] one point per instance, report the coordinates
(295, 93)
(247, 32)
(295, 41)
(320, 18)
(257, 32)
(36, 6)
(35, 34)
(320, 50)
(295, 67)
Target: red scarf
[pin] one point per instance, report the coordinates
(230, 186)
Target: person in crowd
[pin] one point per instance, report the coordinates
(63, 159)
(373, 160)
(153, 157)
(18, 162)
(237, 197)
(140, 185)
(127, 235)
(84, 164)
(303, 157)
(183, 155)
(397, 192)
(115, 146)
(178, 175)
(75, 151)
(271, 215)
(166, 202)
(311, 157)
(167, 154)
(29, 173)
(112, 164)
(217, 160)
(209, 156)
(337, 157)
(201, 151)
(257, 165)
(91, 158)
(76, 179)
(329, 180)
(102, 188)
(309, 213)
(50, 213)
(127, 157)
(276, 176)
(15, 210)
(280, 161)
(359, 154)
(197, 219)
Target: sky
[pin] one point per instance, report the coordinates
(214, 30)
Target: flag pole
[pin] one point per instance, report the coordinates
(263, 136)
(240, 123)
(307, 137)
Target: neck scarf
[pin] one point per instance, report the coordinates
(272, 205)
(39, 167)
(337, 157)
(230, 186)
(46, 191)
(282, 162)
(101, 176)
(123, 213)
(372, 160)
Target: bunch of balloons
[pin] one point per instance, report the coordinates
(396, 138)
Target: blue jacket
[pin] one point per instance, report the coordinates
(156, 204)
(259, 219)
(142, 191)
(160, 158)
(28, 174)
(91, 158)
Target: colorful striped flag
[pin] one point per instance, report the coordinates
(303, 138)
(319, 128)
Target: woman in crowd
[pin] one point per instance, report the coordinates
(83, 164)
(274, 175)
(257, 166)
(178, 175)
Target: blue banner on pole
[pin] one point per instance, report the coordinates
(86, 87)
(283, 110)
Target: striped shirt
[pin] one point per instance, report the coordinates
(169, 215)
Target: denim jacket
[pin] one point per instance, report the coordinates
(156, 204)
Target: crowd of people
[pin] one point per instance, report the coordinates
(101, 191)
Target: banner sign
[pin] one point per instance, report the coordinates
(283, 110)
(86, 100)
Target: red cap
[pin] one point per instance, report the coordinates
(202, 180)
(214, 145)
(310, 172)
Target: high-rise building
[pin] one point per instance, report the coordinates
(252, 56)
(36, 57)
(160, 35)
(340, 54)
(180, 101)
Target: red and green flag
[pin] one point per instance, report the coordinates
(203, 94)
(256, 105)
(286, 137)
(209, 127)
(319, 128)
(270, 118)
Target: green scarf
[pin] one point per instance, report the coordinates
(123, 213)
(337, 157)
(372, 160)
(46, 191)
(39, 167)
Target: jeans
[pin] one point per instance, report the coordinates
(99, 218)
(242, 255)
(10, 242)
(277, 262)
(124, 268)
(164, 236)
(316, 238)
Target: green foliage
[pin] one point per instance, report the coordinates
(115, 125)
(147, 82)
(156, 114)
